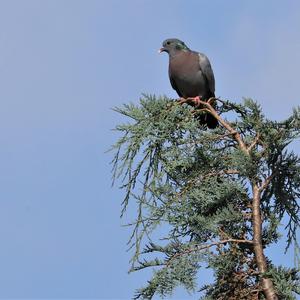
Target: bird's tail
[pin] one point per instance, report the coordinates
(210, 121)
(208, 118)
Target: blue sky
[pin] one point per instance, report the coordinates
(63, 65)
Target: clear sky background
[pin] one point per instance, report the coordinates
(63, 66)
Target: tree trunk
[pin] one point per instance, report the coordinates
(266, 283)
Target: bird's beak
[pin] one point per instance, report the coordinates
(162, 50)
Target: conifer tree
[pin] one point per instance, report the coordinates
(217, 196)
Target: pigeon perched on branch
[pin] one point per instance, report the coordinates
(191, 75)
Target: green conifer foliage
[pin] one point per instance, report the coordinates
(217, 195)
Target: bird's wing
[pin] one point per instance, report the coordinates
(207, 71)
(174, 86)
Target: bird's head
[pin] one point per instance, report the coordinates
(172, 46)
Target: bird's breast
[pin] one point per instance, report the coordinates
(187, 75)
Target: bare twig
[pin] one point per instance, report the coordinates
(223, 172)
(206, 246)
(267, 181)
(254, 143)
(211, 174)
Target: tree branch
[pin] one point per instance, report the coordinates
(254, 143)
(214, 113)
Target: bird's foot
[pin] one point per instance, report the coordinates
(197, 101)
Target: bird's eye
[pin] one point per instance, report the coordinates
(168, 43)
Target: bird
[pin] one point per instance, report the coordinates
(191, 75)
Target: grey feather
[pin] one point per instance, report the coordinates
(207, 71)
